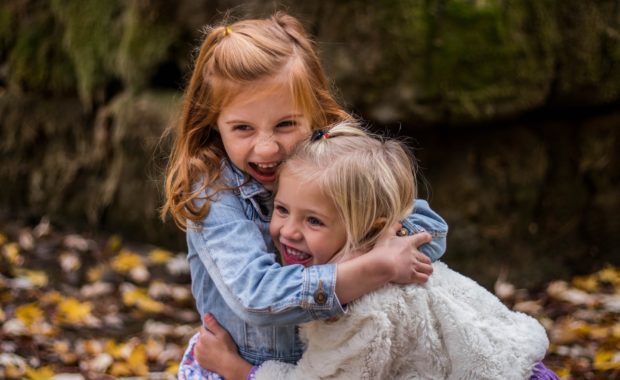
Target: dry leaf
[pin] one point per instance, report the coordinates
(29, 313)
(72, 311)
(70, 261)
(11, 254)
(159, 256)
(42, 373)
(31, 278)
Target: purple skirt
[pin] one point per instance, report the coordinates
(540, 372)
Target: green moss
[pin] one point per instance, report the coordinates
(7, 27)
(147, 36)
(90, 39)
(37, 61)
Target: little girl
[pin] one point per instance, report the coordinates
(257, 89)
(336, 195)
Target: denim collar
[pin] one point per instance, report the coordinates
(247, 189)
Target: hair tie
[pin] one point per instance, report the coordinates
(227, 30)
(318, 134)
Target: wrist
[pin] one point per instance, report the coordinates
(238, 369)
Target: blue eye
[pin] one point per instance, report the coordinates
(281, 210)
(314, 221)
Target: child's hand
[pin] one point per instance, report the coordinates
(408, 263)
(217, 352)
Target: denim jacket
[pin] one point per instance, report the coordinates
(237, 278)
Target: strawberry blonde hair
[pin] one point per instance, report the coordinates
(370, 179)
(230, 58)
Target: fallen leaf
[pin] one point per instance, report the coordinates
(160, 256)
(69, 261)
(11, 254)
(35, 278)
(42, 373)
(29, 313)
(126, 261)
(72, 311)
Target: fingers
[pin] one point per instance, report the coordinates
(421, 238)
(211, 324)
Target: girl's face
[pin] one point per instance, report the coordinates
(259, 128)
(305, 225)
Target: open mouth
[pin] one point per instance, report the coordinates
(264, 172)
(291, 255)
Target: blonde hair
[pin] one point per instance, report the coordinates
(230, 58)
(370, 179)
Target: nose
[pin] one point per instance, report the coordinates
(266, 146)
(290, 230)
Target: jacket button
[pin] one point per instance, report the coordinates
(320, 297)
(402, 232)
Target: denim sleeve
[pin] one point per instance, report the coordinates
(423, 219)
(250, 280)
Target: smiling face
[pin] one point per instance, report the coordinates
(260, 127)
(305, 224)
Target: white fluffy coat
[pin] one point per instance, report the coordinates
(449, 328)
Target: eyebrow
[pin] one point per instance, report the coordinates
(241, 121)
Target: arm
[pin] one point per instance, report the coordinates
(232, 250)
(423, 219)
(353, 348)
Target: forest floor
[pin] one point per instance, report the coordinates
(84, 307)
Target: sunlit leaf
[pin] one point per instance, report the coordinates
(42, 373)
(2, 316)
(137, 361)
(72, 311)
(14, 327)
(51, 298)
(64, 350)
(3, 239)
(610, 274)
(160, 256)
(120, 369)
(114, 349)
(14, 365)
(607, 360)
(101, 362)
(172, 368)
(69, 261)
(11, 254)
(587, 283)
(126, 261)
(138, 297)
(36, 278)
(28, 314)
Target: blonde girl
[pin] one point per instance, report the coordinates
(335, 197)
(256, 90)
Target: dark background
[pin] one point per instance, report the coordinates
(512, 108)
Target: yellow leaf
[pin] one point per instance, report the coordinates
(43, 373)
(2, 316)
(114, 243)
(29, 314)
(73, 311)
(51, 298)
(563, 373)
(95, 274)
(137, 361)
(114, 349)
(610, 274)
(160, 256)
(3, 239)
(139, 298)
(607, 360)
(126, 261)
(120, 369)
(11, 254)
(173, 368)
(587, 283)
(37, 278)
